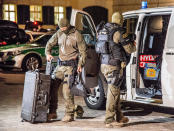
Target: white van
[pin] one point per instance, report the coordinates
(150, 73)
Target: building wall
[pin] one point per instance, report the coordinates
(127, 5)
(39, 2)
(111, 5)
(77, 4)
(103, 3)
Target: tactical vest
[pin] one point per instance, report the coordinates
(111, 53)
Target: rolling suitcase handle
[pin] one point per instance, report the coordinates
(45, 98)
(49, 67)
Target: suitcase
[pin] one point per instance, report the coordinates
(35, 103)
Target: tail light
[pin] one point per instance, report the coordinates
(4, 43)
(35, 23)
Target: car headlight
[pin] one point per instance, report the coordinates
(14, 53)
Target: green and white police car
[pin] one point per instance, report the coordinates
(28, 56)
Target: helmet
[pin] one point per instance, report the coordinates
(63, 23)
(117, 18)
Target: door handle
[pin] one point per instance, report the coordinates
(134, 60)
(45, 98)
(169, 53)
(139, 26)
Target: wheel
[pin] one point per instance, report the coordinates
(30, 63)
(98, 100)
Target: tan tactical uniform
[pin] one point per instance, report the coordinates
(113, 95)
(71, 47)
(112, 74)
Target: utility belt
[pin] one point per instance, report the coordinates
(73, 63)
(67, 63)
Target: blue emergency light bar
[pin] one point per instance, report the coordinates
(143, 4)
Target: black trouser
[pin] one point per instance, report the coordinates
(55, 84)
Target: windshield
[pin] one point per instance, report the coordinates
(8, 35)
(130, 24)
(42, 40)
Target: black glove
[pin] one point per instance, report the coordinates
(130, 38)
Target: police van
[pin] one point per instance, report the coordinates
(150, 72)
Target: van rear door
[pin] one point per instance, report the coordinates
(130, 23)
(85, 25)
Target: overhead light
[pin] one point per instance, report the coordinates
(143, 4)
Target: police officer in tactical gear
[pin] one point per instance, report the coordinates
(113, 60)
(72, 54)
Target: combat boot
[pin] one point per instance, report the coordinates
(78, 111)
(68, 118)
(114, 124)
(52, 116)
(121, 118)
(124, 120)
(120, 121)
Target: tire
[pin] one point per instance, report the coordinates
(31, 62)
(98, 100)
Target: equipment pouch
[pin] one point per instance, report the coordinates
(115, 78)
(103, 37)
(102, 47)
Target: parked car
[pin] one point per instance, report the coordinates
(35, 26)
(11, 34)
(34, 29)
(28, 56)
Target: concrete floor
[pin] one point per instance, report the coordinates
(11, 90)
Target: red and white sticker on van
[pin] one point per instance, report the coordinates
(149, 59)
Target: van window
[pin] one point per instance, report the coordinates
(43, 40)
(154, 35)
(85, 26)
(130, 24)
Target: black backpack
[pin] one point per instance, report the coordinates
(105, 42)
(105, 34)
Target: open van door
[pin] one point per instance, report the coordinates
(167, 74)
(152, 39)
(130, 23)
(85, 25)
